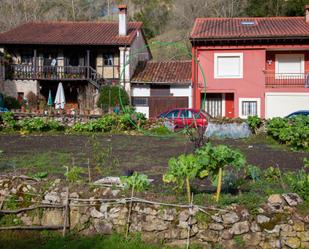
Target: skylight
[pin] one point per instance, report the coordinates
(248, 23)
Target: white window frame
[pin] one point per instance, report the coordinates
(241, 58)
(302, 56)
(258, 101)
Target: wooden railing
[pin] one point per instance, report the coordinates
(24, 72)
(276, 80)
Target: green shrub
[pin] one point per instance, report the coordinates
(111, 96)
(111, 122)
(39, 125)
(11, 102)
(254, 123)
(291, 131)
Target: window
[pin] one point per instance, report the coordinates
(289, 64)
(186, 114)
(108, 59)
(140, 101)
(172, 114)
(228, 65)
(249, 107)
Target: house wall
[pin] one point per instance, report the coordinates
(182, 91)
(251, 85)
(12, 87)
(141, 91)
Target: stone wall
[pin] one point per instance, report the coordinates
(12, 87)
(276, 224)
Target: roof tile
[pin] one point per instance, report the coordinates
(264, 27)
(70, 33)
(177, 72)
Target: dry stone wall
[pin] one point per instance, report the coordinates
(276, 224)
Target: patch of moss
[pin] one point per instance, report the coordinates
(275, 220)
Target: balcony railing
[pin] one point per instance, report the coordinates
(29, 72)
(276, 80)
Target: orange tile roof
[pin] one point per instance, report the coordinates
(164, 72)
(266, 27)
(70, 33)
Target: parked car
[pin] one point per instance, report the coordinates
(186, 117)
(298, 113)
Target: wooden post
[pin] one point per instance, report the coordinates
(34, 62)
(129, 214)
(89, 171)
(66, 213)
(88, 63)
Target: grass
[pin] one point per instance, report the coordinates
(50, 162)
(49, 240)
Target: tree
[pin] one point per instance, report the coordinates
(111, 96)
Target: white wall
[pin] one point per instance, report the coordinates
(182, 91)
(140, 91)
(282, 104)
(143, 109)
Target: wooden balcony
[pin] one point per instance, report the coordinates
(283, 80)
(29, 72)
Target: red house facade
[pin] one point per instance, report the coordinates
(251, 66)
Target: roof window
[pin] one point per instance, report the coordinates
(248, 23)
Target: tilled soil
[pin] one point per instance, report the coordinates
(144, 153)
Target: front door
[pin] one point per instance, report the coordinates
(213, 104)
(229, 105)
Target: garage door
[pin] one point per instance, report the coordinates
(157, 105)
(282, 104)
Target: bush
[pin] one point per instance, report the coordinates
(11, 103)
(138, 182)
(254, 123)
(111, 122)
(39, 125)
(291, 131)
(111, 96)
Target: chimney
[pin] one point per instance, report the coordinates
(307, 13)
(122, 19)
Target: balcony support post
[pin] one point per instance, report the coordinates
(34, 63)
(88, 63)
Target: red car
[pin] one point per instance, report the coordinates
(186, 117)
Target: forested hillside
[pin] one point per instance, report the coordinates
(164, 20)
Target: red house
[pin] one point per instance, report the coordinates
(251, 66)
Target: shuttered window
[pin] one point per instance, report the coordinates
(289, 64)
(228, 65)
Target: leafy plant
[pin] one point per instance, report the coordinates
(137, 182)
(254, 172)
(74, 174)
(9, 123)
(214, 159)
(272, 174)
(183, 169)
(298, 181)
(254, 123)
